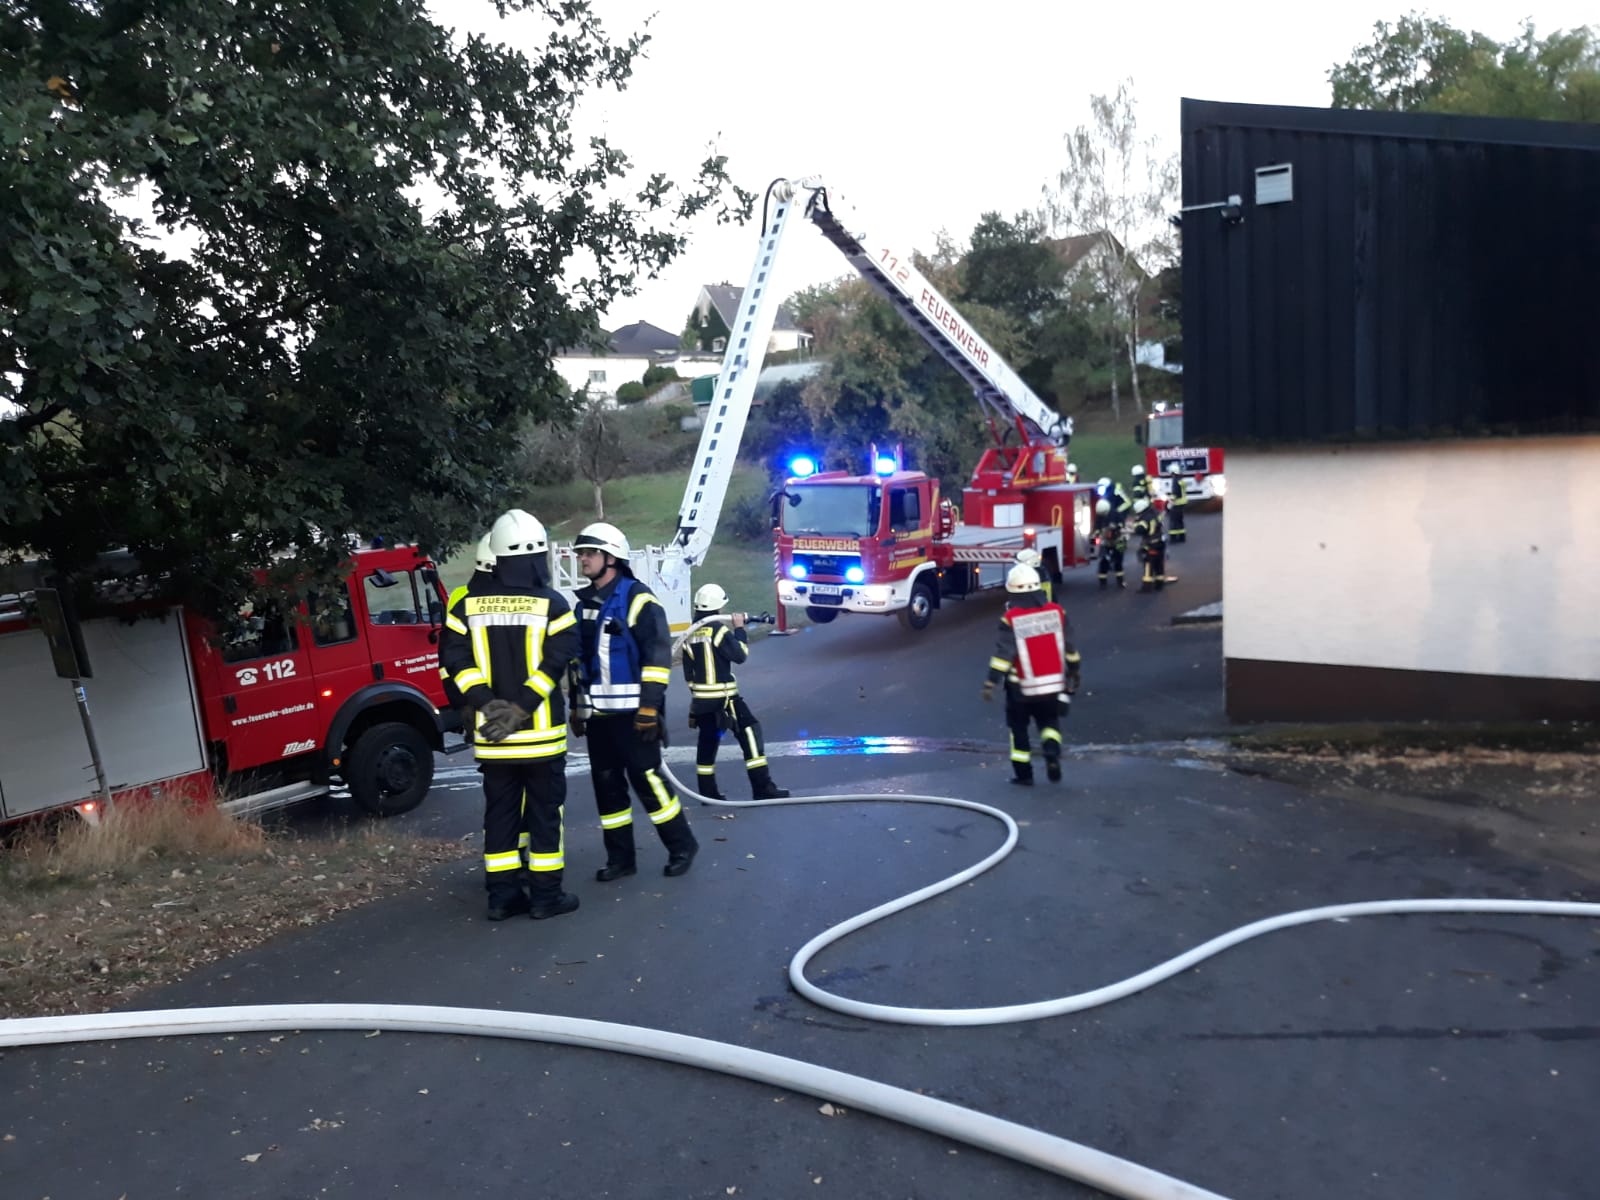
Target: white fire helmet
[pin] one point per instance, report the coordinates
(1029, 557)
(1174, 469)
(1103, 507)
(1140, 505)
(1137, 472)
(710, 598)
(1072, 468)
(601, 536)
(485, 558)
(1103, 482)
(517, 532)
(1022, 578)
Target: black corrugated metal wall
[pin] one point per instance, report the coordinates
(1433, 276)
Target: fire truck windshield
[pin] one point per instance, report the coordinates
(837, 508)
(1166, 429)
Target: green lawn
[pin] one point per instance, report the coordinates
(645, 507)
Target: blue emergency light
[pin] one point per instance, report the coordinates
(855, 575)
(885, 465)
(802, 467)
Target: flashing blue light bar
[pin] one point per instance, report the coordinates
(797, 571)
(885, 465)
(854, 575)
(802, 466)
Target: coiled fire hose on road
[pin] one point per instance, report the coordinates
(1113, 1175)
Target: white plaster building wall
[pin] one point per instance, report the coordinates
(575, 369)
(1480, 557)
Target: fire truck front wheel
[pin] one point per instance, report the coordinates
(818, 615)
(389, 769)
(918, 611)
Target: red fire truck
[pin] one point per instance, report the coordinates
(255, 713)
(1161, 435)
(889, 543)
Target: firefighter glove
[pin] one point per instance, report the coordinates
(502, 718)
(647, 724)
(988, 689)
(579, 726)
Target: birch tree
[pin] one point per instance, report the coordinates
(1118, 187)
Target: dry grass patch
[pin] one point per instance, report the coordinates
(94, 914)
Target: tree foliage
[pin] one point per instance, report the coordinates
(364, 237)
(1423, 63)
(1119, 188)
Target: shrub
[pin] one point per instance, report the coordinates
(631, 393)
(658, 375)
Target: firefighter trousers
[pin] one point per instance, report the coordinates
(735, 715)
(618, 757)
(1155, 567)
(522, 826)
(1111, 560)
(1175, 530)
(1043, 711)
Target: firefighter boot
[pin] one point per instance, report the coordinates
(1052, 769)
(706, 785)
(1102, 583)
(507, 902)
(681, 857)
(552, 902)
(762, 787)
(620, 861)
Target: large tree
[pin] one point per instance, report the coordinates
(364, 237)
(1423, 63)
(1118, 187)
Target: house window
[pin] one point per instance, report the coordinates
(718, 345)
(597, 376)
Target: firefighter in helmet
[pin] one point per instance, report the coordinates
(1029, 556)
(1036, 661)
(1072, 472)
(1110, 541)
(709, 655)
(507, 644)
(1177, 501)
(1141, 489)
(1121, 505)
(624, 666)
(1152, 545)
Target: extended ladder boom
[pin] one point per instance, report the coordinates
(894, 277)
(995, 384)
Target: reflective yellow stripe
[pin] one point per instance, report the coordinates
(713, 691)
(566, 621)
(546, 862)
(507, 860)
(669, 800)
(1019, 756)
(511, 749)
(617, 820)
(452, 623)
(711, 770)
(640, 599)
(1074, 657)
(999, 664)
(541, 683)
(1050, 735)
(655, 675)
(470, 678)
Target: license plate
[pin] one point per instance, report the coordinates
(824, 589)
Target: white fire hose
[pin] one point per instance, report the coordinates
(1115, 1176)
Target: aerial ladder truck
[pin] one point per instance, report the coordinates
(885, 542)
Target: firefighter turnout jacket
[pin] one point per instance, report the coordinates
(625, 661)
(1034, 653)
(512, 644)
(709, 655)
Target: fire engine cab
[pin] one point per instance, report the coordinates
(255, 712)
(1161, 435)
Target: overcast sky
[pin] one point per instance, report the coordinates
(927, 114)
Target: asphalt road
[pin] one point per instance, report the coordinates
(1445, 1056)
